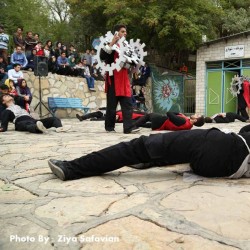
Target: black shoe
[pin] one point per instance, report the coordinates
(110, 131)
(79, 117)
(141, 165)
(132, 130)
(57, 168)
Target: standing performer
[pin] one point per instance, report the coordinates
(117, 87)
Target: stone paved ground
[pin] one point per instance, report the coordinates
(159, 208)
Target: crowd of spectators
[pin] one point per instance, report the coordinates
(62, 59)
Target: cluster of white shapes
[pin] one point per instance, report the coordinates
(236, 85)
(130, 54)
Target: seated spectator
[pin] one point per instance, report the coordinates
(225, 118)
(18, 57)
(12, 90)
(93, 56)
(4, 44)
(24, 91)
(16, 73)
(73, 52)
(65, 50)
(30, 43)
(72, 64)
(23, 120)
(4, 90)
(96, 73)
(18, 38)
(63, 65)
(183, 68)
(88, 58)
(3, 73)
(171, 121)
(37, 37)
(52, 65)
(46, 51)
(39, 49)
(31, 61)
(142, 77)
(90, 80)
(50, 47)
(139, 98)
(58, 49)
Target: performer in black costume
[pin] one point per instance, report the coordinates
(210, 152)
(225, 118)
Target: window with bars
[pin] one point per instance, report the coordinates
(214, 65)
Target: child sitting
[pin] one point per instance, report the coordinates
(12, 89)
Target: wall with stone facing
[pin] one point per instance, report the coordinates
(64, 86)
(213, 52)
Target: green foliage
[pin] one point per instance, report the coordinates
(168, 25)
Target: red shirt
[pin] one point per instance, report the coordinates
(168, 125)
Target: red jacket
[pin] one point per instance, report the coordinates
(168, 125)
(246, 92)
(121, 81)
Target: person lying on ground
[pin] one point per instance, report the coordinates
(225, 118)
(210, 153)
(171, 121)
(99, 115)
(24, 121)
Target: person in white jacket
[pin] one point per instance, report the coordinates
(16, 73)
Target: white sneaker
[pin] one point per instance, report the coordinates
(63, 129)
(40, 127)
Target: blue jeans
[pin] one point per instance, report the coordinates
(90, 81)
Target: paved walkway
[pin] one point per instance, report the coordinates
(159, 208)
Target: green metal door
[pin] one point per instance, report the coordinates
(214, 92)
(246, 72)
(229, 101)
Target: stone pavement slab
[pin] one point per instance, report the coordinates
(157, 208)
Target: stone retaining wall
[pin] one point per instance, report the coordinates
(64, 86)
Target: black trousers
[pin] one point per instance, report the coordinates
(97, 114)
(156, 120)
(210, 153)
(26, 123)
(126, 107)
(242, 106)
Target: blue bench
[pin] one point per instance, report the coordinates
(64, 103)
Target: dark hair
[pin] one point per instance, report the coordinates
(4, 86)
(48, 42)
(58, 43)
(117, 27)
(200, 121)
(16, 64)
(1, 26)
(1, 99)
(208, 120)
